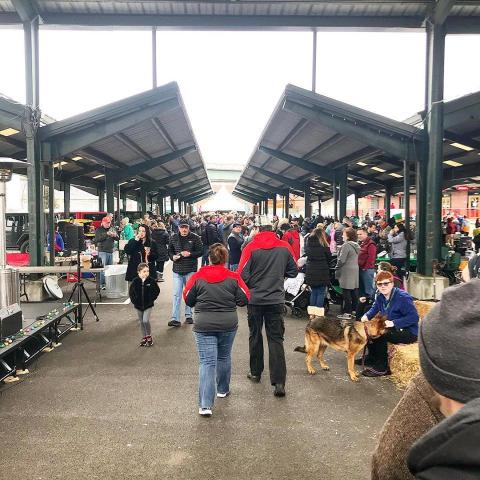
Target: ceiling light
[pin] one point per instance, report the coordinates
(361, 183)
(362, 164)
(76, 158)
(8, 131)
(453, 163)
(99, 176)
(350, 178)
(462, 146)
(326, 183)
(378, 169)
(396, 175)
(120, 184)
(59, 164)
(475, 178)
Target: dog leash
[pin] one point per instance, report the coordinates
(365, 347)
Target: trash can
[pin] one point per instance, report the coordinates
(115, 284)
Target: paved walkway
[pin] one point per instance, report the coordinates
(101, 407)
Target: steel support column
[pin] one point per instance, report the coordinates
(308, 203)
(51, 212)
(124, 201)
(110, 189)
(341, 178)
(406, 206)
(101, 199)
(274, 205)
(335, 200)
(434, 128)
(355, 200)
(172, 204)
(118, 206)
(161, 205)
(287, 204)
(319, 206)
(387, 202)
(36, 214)
(314, 62)
(266, 206)
(143, 201)
(154, 57)
(66, 199)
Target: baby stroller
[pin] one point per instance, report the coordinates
(297, 295)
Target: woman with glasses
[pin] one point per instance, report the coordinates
(402, 324)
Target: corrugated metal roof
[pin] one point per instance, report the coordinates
(241, 13)
(369, 168)
(162, 133)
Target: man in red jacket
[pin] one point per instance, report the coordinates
(264, 264)
(366, 263)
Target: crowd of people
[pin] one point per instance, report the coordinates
(244, 261)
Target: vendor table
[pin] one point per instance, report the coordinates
(44, 333)
(386, 258)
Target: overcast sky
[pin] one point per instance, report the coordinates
(231, 81)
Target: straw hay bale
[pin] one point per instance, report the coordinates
(404, 363)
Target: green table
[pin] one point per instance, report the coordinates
(413, 260)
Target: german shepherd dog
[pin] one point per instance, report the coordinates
(322, 332)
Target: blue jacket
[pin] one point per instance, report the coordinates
(400, 310)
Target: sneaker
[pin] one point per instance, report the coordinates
(174, 323)
(189, 320)
(345, 316)
(149, 341)
(279, 390)
(253, 378)
(205, 412)
(103, 287)
(222, 395)
(144, 342)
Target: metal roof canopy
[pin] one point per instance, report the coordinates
(309, 136)
(244, 14)
(144, 141)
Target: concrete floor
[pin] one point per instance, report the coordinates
(101, 407)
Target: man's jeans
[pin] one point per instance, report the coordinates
(366, 283)
(214, 371)
(179, 281)
(107, 259)
(317, 296)
(272, 315)
(206, 252)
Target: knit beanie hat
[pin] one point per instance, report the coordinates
(449, 343)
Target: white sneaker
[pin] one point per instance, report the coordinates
(222, 395)
(205, 412)
(345, 316)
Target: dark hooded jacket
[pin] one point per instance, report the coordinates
(143, 294)
(451, 450)
(135, 250)
(317, 271)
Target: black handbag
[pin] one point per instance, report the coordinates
(96, 262)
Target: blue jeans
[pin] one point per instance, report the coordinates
(206, 252)
(366, 282)
(317, 296)
(179, 281)
(215, 368)
(107, 259)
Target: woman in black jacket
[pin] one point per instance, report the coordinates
(215, 292)
(141, 249)
(317, 268)
(161, 238)
(143, 292)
